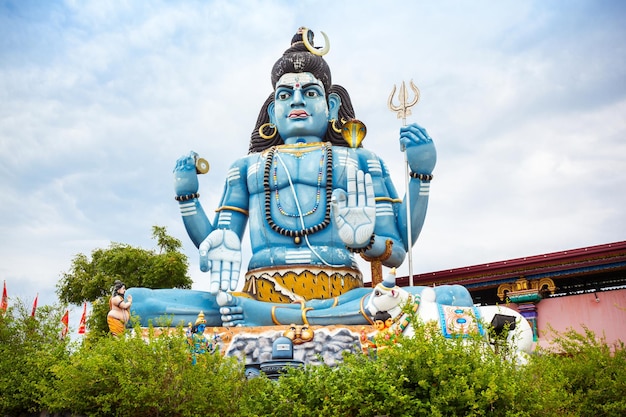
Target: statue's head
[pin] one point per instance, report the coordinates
(200, 324)
(118, 286)
(304, 102)
(382, 320)
(301, 109)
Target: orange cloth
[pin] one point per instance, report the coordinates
(116, 327)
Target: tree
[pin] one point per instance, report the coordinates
(91, 279)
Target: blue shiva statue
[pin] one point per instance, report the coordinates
(312, 200)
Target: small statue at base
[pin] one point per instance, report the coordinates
(198, 343)
(119, 312)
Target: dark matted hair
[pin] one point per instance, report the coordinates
(298, 59)
(117, 285)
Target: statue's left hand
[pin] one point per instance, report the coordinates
(185, 176)
(220, 253)
(420, 149)
(354, 212)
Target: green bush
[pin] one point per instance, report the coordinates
(424, 376)
(580, 375)
(29, 348)
(135, 377)
(428, 375)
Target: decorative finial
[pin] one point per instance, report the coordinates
(200, 319)
(404, 108)
(390, 280)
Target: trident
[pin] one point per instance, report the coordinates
(404, 110)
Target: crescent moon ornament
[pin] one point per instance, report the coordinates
(311, 48)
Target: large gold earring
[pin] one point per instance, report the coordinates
(335, 128)
(271, 126)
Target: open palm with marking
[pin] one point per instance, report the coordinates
(354, 211)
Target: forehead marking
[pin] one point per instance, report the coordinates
(297, 79)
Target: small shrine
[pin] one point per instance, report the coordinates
(526, 294)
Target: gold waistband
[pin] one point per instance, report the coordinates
(289, 284)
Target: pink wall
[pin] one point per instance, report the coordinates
(607, 317)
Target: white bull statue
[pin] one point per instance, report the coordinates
(454, 321)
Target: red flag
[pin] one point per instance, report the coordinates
(32, 314)
(83, 320)
(66, 323)
(5, 298)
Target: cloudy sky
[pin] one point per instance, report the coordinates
(526, 101)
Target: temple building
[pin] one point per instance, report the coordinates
(573, 289)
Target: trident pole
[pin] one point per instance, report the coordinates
(403, 110)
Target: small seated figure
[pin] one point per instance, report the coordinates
(386, 333)
(313, 198)
(383, 322)
(119, 309)
(198, 342)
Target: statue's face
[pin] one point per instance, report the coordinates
(300, 110)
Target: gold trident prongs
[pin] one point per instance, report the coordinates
(404, 108)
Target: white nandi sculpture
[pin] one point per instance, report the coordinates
(452, 320)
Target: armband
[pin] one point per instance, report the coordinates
(186, 197)
(232, 208)
(421, 177)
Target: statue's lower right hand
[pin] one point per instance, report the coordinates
(354, 211)
(220, 253)
(185, 175)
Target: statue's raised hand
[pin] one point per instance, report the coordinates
(220, 253)
(420, 149)
(354, 211)
(185, 175)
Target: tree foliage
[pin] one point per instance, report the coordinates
(90, 278)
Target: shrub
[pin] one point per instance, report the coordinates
(29, 347)
(424, 376)
(428, 375)
(580, 375)
(131, 376)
